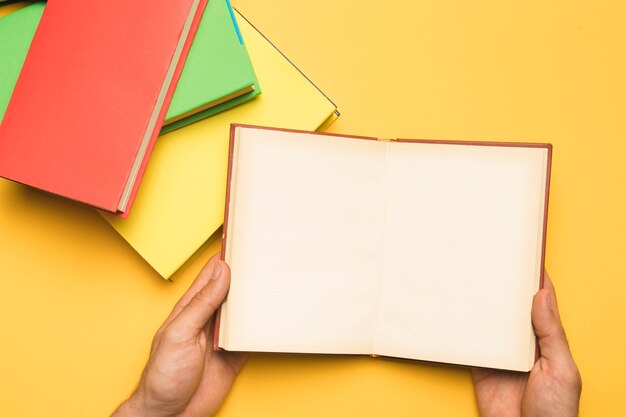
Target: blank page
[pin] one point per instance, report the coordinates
(461, 253)
(303, 242)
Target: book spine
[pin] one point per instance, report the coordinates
(166, 104)
(231, 148)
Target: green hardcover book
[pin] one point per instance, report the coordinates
(217, 75)
(16, 33)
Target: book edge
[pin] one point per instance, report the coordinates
(249, 88)
(229, 175)
(126, 202)
(179, 56)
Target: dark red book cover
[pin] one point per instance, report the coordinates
(92, 95)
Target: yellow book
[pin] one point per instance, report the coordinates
(180, 203)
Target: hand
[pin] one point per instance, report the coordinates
(553, 386)
(184, 376)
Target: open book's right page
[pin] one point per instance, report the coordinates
(462, 253)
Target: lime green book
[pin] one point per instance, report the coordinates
(16, 33)
(217, 75)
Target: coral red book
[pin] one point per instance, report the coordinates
(92, 95)
(415, 249)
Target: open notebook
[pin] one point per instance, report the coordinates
(404, 248)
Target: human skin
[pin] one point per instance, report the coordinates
(184, 376)
(551, 389)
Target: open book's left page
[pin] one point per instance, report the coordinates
(308, 222)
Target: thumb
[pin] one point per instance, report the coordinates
(548, 328)
(195, 315)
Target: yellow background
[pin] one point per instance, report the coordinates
(78, 307)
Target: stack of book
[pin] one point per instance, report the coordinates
(150, 112)
(105, 79)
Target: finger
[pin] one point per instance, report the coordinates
(547, 323)
(549, 285)
(547, 282)
(199, 310)
(201, 281)
(235, 360)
